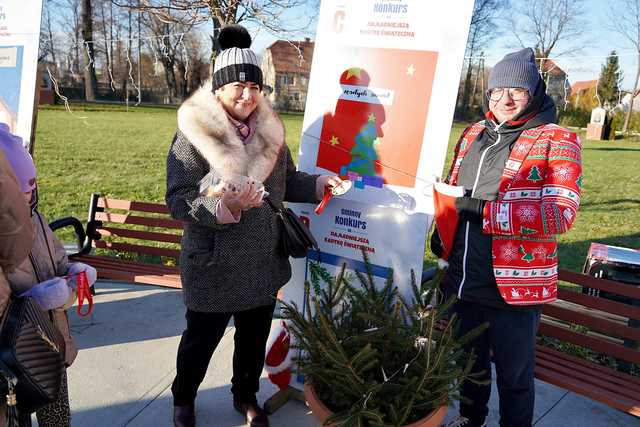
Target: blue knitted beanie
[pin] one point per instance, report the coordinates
(516, 69)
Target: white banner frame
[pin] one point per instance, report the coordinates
(361, 38)
(19, 43)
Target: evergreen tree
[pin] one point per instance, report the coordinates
(609, 82)
(373, 357)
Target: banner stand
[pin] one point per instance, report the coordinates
(380, 101)
(281, 397)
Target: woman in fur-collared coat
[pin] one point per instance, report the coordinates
(230, 264)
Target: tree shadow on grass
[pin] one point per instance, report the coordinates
(572, 255)
(611, 149)
(608, 205)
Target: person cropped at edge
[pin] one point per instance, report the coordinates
(40, 274)
(16, 235)
(231, 264)
(522, 175)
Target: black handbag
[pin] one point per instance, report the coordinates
(32, 351)
(296, 238)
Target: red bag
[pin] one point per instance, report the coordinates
(446, 216)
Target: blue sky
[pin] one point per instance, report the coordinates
(582, 65)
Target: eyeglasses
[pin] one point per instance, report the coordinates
(515, 93)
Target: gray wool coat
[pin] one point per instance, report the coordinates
(230, 267)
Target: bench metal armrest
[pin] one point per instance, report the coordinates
(70, 221)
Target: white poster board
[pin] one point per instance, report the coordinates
(381, 99)
(19, 37)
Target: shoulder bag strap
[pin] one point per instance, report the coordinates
(273, 206)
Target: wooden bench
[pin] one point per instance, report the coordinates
(597, 324)
(587, 321)
(111, 226)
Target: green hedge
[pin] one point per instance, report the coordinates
(574, 117)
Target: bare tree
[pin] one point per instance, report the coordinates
(625, 20)
(268, 14)
(73, 23)
(549, 25)
(482, 29)
(90, 80)
(60, 38)
(47, 41)
(168, 47)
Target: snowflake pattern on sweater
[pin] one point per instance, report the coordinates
(538, 197)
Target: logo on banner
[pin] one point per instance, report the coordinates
(390, 7)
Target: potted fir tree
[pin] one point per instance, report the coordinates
(371, 358)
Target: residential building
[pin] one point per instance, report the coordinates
(557, 83)
(581, 89)
(626, 100)
(286, 66)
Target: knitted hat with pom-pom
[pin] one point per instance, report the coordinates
(236, 62)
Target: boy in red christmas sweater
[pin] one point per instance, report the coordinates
(522, 176)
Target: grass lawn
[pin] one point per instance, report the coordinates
(121, 154)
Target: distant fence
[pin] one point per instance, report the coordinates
(106, 93)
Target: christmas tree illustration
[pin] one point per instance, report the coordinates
(363, 153)
(528, 256)
(524, 230)
(534, 174)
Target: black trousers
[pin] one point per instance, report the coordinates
(511, 337)
(199, 341)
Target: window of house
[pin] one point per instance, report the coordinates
(286, 79)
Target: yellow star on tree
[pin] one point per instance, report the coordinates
(334, 141)
(355, 71)
(372, 118)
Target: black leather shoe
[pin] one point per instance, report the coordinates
(184, 415)
(255, 415)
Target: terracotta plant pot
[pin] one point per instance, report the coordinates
(321, 412)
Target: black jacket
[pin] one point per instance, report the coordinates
(470, 273)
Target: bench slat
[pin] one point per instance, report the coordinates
(602, 284)
(129, 247)
(598, 324)
(142, 235)
(612, 399)
(130, 205)
(602, 346)
(170, 281)
(585, 373)
(600, 304)
(586, 377)
(619, 377)
(138, 220)
(100, 261)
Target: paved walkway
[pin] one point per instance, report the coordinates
(123, 373)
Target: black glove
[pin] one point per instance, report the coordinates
(436, 243)
(470, 209)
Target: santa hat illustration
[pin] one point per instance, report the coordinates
(278, 360)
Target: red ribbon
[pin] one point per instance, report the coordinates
(83, 293)
(328, 192)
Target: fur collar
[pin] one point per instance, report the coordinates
(202, 119)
